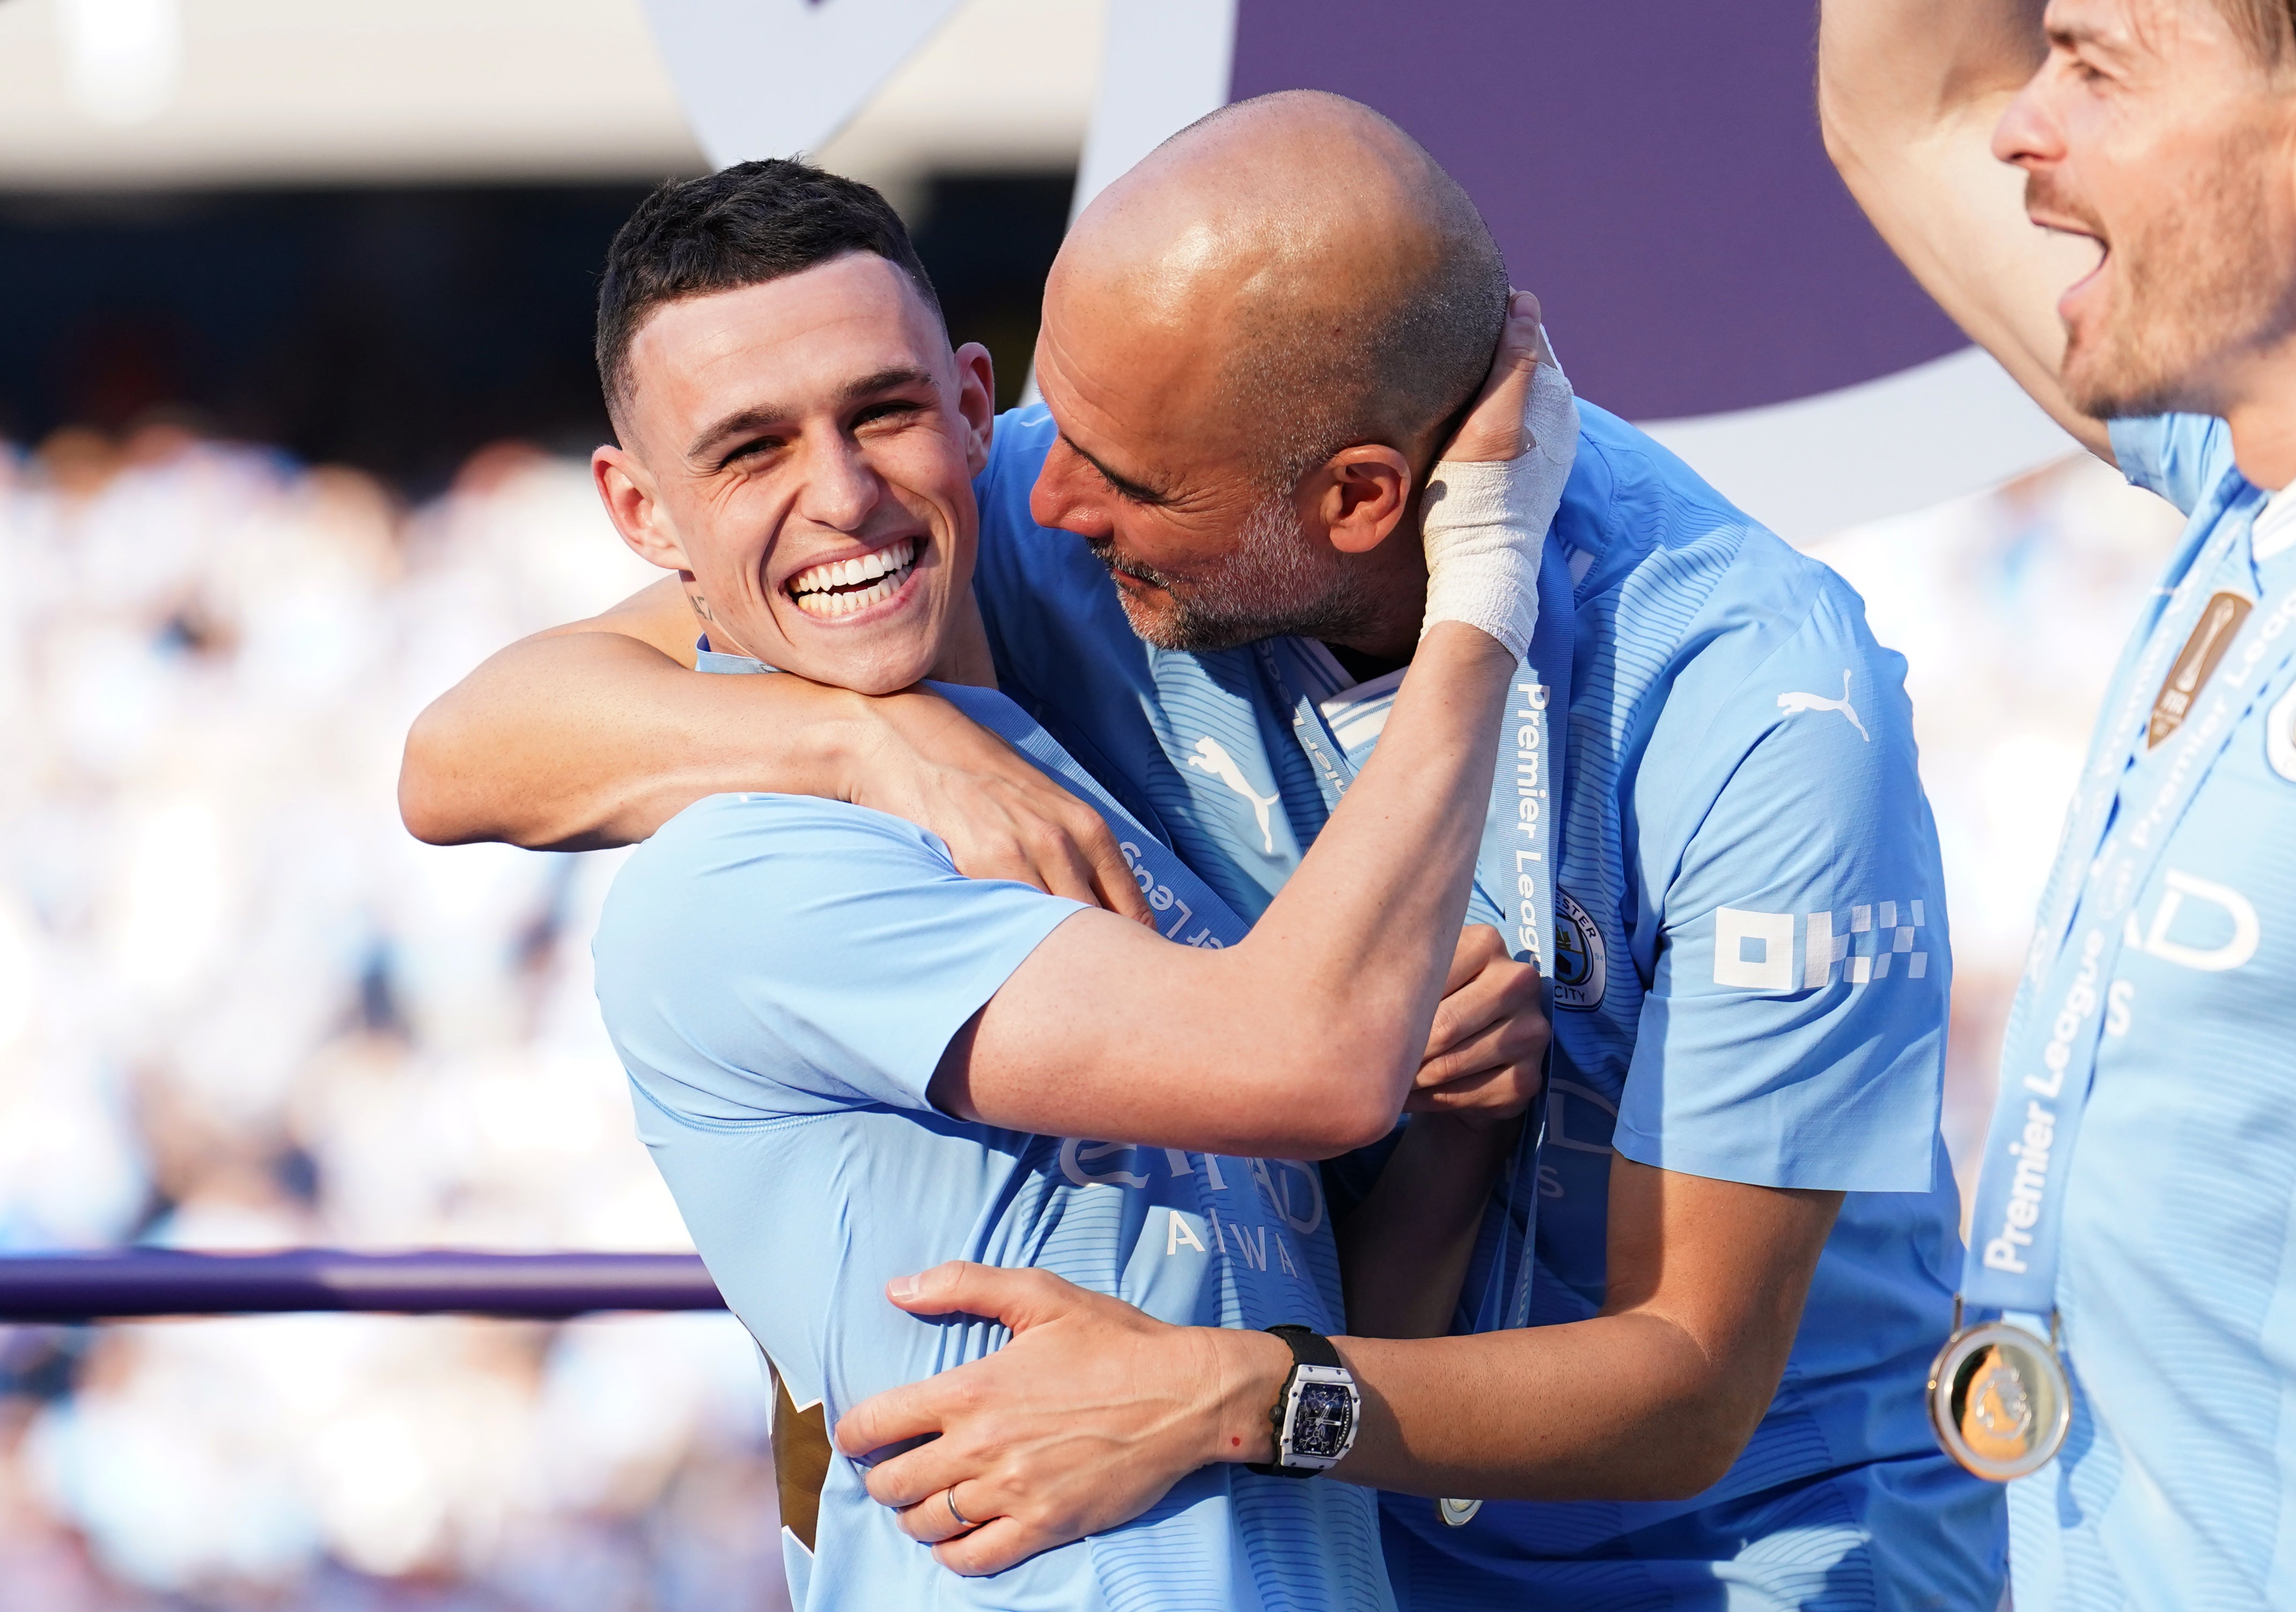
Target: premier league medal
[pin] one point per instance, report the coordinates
(1999, 1400)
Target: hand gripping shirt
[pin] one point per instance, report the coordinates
(1750, 978)
(2175, 1287)
(780, 975)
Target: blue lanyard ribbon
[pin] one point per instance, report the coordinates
(2120, 825)
(1515, 865)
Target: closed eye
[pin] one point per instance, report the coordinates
(896, 409)
(751, 448)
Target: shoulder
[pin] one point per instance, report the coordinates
(2178, 456)
(732, 842)
(1686, 592)
(1044, 598)
(743, 953)
(1017, 447)
(1628, 496)
(755, 872)
(1016, 553)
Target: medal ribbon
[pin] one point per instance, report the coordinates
(2049, 1060)
(1515, 865)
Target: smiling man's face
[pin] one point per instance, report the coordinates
(2154, 129)
(802, 452)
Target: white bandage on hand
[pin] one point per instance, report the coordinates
(1484, 522)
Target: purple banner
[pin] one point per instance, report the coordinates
(1653, 170)
(534, 1286)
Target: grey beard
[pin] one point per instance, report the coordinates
(1270, 586)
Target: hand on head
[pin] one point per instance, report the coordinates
(1484, 518)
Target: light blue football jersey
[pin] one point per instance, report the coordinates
(2176, 1486)
(1751, 974)
(780, 975)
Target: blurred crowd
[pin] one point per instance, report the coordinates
(240, 1008)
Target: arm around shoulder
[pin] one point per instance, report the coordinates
(596, 734)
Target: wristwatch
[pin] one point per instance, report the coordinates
(1314, 1416)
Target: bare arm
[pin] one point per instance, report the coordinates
(1093, 1411)
(597, 733)
(1305, 1038)
(1652, 1399)
(1909, 92)
(1404, 1251)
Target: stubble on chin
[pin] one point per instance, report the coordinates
(2193, 294)
(1271, 585)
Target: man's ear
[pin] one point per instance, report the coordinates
(627, 492)
(976, 402)
(1359, 495)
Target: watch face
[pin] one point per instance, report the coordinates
(1324, 1415)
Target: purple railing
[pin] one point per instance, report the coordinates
(131, 1282)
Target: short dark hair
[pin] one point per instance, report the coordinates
(740, 225)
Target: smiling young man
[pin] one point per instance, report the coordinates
(850, 1061)
(1728, 864)
(2139, 1188)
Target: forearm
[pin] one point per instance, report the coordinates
(1302, 1040)
(1910, 94)
(1621, 1407)
(1355, 950)
(579, 739)
(1406, 1249)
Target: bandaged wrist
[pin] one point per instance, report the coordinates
(1484, 522)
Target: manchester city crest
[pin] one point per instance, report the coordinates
(1579, 969)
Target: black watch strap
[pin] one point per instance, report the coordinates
(1308, 1348)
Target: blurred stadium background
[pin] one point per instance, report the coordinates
(294, 392)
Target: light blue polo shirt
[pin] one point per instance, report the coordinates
(781, 977)
(1753, 971)
(2176, 1487)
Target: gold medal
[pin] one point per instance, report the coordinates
(2195, 664)
(2000, 1401)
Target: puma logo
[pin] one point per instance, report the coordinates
(1210, 758)
(1795, 703)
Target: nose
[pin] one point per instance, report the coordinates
(839, 489)
(2028, 135)
(1065, 496)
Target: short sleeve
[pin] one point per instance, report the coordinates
(772, 955)
(2179, 456)
(1794, 1032)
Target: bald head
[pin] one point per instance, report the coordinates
(1310, 275)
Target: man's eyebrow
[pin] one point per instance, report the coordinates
(1135, 491)
(757, 415)
(2072, 36)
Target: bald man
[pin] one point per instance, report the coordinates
(1687, 1366)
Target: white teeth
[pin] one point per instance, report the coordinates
(847, 573)
(829, 606)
